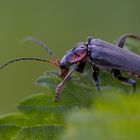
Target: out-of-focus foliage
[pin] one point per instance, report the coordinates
(112, 117)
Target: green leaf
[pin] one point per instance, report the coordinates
(50, 81)
(42, 109)
(75, 93)
(8, 132)
(26, 128)
(16, 119)
(39, 133)
(38, 121)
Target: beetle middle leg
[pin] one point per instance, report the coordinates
(117, 74)
(122, 39)
(95, 75)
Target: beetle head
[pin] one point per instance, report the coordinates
(75, 55)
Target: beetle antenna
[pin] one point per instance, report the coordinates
(55, 63)
(40, 43)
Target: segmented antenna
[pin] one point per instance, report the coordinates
(40, 43)
(55, 63)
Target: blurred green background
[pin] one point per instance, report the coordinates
(61, 24)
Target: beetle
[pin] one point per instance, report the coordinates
(99, 54)
(102, 55)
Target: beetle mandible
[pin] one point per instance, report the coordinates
(99, 54)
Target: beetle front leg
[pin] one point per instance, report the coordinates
(117, 74)
(80, 67)
(95, 76)
(61, 86)
(122, 39)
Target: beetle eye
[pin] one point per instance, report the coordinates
(64, 64)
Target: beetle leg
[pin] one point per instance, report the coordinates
(80, 67)
(117, 74)
(61, 86)
(123, 38)
(95, 76)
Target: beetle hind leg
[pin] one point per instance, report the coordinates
(122, 39)
(131, 82)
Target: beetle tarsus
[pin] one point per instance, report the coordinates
(59, 90)
(125, 80)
